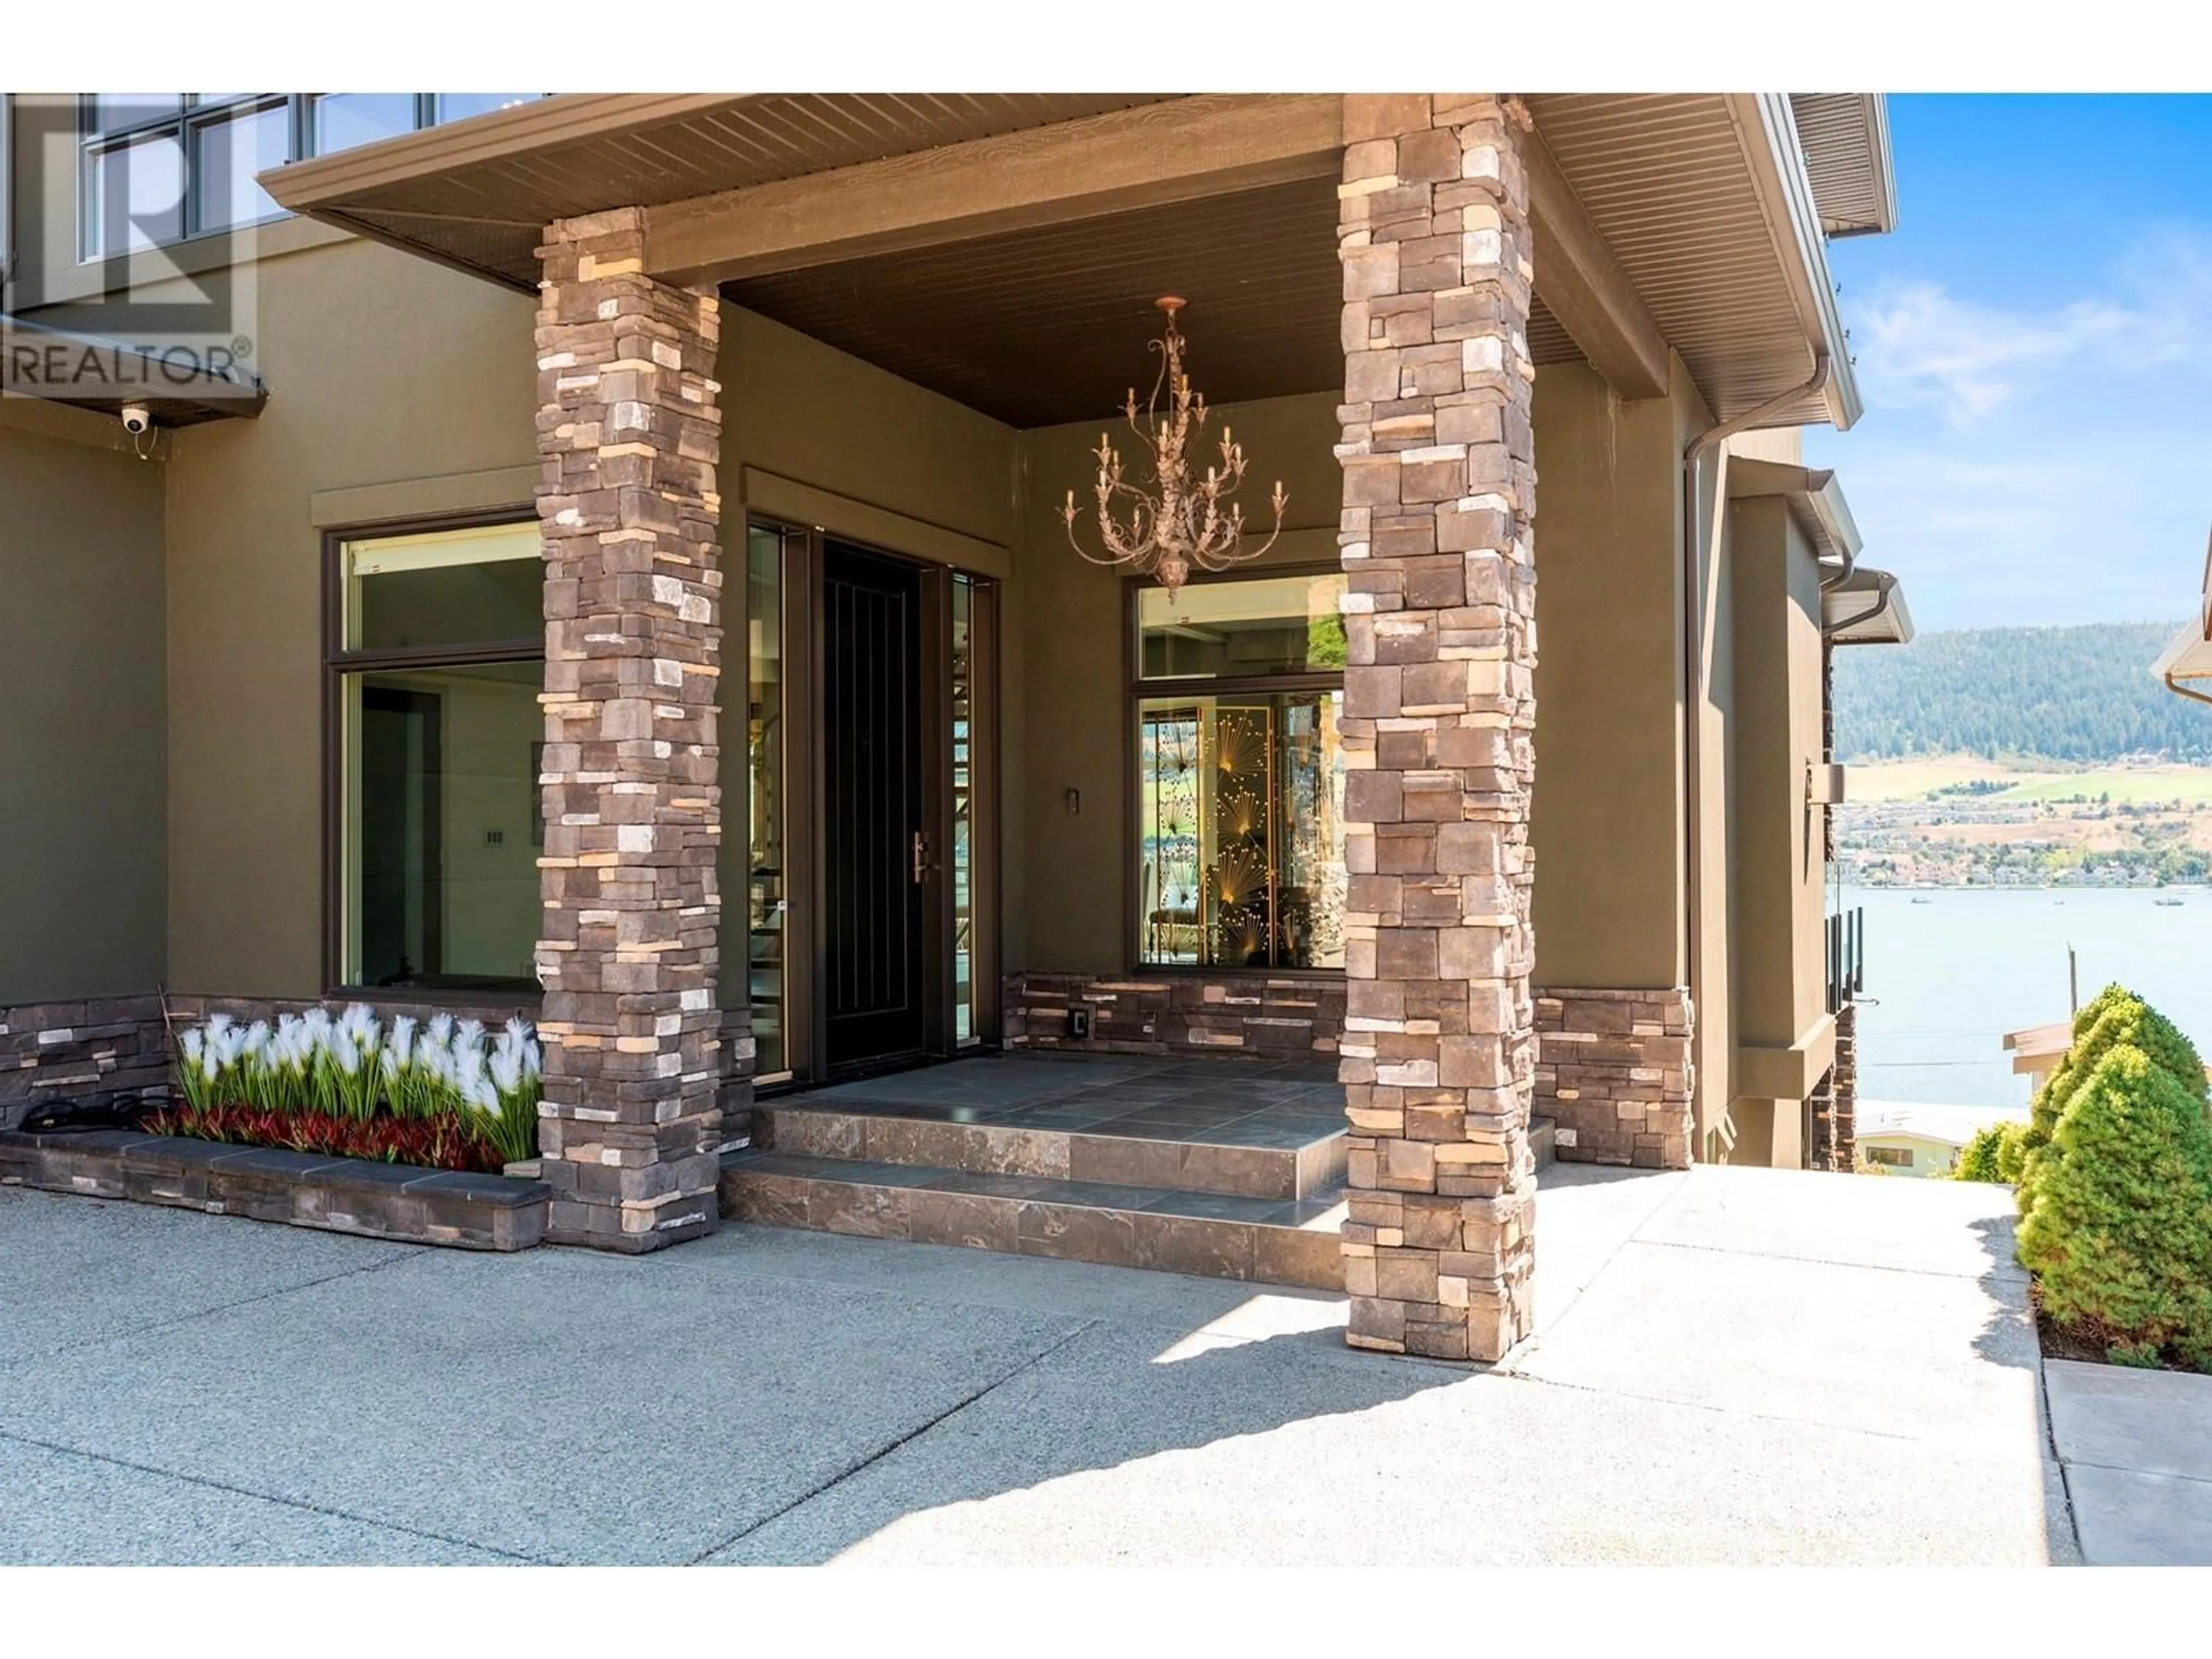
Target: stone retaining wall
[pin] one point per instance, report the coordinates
(97, 1047)
(1275, 1018)
(301, 1189)
(1613, 1072)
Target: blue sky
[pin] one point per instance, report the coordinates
(2034, 347)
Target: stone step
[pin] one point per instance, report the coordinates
(1259, 1152)
(1219, 1236)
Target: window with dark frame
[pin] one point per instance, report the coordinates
(434, 658)
(1239, 787)
(161, 167)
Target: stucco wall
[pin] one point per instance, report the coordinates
(382, 370)
(386, 371)
(1072, 619)
(1607, 819)
(83, 754)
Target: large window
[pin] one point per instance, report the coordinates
(436, 669)
(162, 166)
(1240, 774)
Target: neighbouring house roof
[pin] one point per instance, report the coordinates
(2186, 664)
(1707, 203)
(1948, 1126)
(85, 371)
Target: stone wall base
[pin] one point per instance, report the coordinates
(1613, 1072)
(1254, 1014)
(92, 1048)
(301, 1189)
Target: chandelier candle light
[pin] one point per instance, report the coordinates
(1182, 521)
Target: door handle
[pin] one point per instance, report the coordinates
(920, 858)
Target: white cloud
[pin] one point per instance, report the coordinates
(1920, 344)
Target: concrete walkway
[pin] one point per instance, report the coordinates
(1736, 1366)
(2136, 1447)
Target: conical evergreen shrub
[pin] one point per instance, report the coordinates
(2120, 1235)
(2116, 1018)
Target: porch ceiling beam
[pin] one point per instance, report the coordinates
(1584, 285)
(1176, 151)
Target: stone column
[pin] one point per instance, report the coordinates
(1438, 1053)
(629, 433)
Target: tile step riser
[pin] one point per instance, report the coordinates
(1057, 1154)
(1309, 1258)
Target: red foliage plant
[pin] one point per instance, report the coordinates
(443, 1142)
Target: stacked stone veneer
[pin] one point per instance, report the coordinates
(1272, 1018)
(628, 435)
(1437, 537)
(1614, 1073)
(93, 1047)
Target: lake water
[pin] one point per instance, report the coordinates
(1947, 976)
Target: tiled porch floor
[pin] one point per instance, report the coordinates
(1269, 1103)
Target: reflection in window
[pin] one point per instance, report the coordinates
(438, 673)
(163, 166)
(767, 909)
(963, 809)
(1226, 630)
(226, 153)
(1241, 854)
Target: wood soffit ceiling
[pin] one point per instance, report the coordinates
(1046, 325)
(484, 210)
(1037, 327)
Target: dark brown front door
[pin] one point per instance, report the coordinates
(874, 863)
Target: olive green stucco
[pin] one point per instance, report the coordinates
(83, 742)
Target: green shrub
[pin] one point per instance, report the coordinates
(2120, 1235)
(1994, 1154)
(2116, 1017)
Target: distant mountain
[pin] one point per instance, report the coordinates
(2082, 694)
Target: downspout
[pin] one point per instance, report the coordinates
(1693, 638)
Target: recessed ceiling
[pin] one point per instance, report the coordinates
(1037, 327)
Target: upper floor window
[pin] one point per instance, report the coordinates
(163, 166)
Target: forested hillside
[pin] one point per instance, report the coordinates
(2082, 694)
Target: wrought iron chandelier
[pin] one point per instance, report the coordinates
(1183, 521)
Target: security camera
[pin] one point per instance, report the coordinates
(136, 419)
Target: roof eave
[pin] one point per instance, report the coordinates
(1785, 189)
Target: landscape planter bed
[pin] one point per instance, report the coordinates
(398, 1201)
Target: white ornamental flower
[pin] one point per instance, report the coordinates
(441, 1029)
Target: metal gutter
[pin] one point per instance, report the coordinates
(1777, 168)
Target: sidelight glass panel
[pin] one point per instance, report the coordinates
(441, 825)
(1228, 629)
(1240, 840)
(962, 866)
(766, 892)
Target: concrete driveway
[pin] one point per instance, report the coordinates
(1736, 1366)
